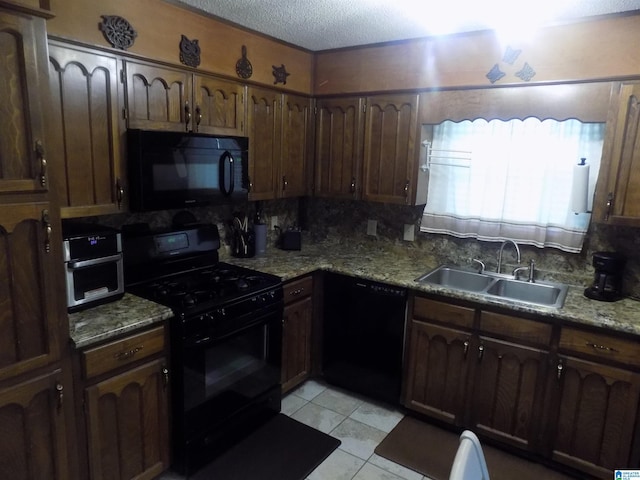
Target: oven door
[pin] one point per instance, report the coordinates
(223, 387)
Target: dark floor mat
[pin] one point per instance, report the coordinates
(281, 449)
(430, 450)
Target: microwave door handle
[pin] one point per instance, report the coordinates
(94, 261)
(223, 160)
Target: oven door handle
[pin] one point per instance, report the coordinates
(95, 261)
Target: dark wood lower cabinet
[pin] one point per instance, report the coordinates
(297, 332)
(508, 391)
(32, 430)
(566, 395)
(596, 418)
(438, 371)
(127, 424)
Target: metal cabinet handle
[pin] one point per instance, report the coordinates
(609, 206)
(119, 193)
(165, 376)
(559, 369)
(480, 352)
(128, 354)
(284, 183)
(250, 185)
(406, 191)
(296, 292)
(48, 231)
(43, 163)
(60, 395)
(352, 187)
(466, 348)
(198, 117)
(187, 115)
(604, 348)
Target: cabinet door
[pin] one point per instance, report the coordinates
(264, 110)
(438, 368)
(32, 430)
(339, 131)
(596, 409)
(296, 141)
(84, 131)
(508, 384)
(23, 94)
(390, 156)
(28, 290)
(618, 192)
(296, 343)
(158, 98)
(127, 424)
(218, 106)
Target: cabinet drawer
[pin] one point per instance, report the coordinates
(104, 358)
(600, 345)
(516, 328)
(298, 289)
(443, 312)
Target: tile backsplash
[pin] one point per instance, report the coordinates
(346, 222)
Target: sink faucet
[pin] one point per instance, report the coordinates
(531, 268)
(500, 254)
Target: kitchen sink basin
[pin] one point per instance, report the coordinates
(494, 285)
(458, 279)
(538, 293)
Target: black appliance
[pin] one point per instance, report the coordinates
(170, 170)
(363, 336)
(93, 265)
(226, 338)
(607, 281)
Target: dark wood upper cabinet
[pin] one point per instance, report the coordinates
(163, 98)
(85, 131)
(296, 156)
(29, 316)
(390, 148)
(339, 143)
(219, 106)
(617, 198)
(367, 148)
(23, 96)
(264, 113)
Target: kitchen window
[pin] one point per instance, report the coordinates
(496, 180)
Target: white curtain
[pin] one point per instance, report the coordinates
(515, 182)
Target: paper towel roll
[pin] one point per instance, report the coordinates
(580, 188)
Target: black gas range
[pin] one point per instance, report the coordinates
(226, 338)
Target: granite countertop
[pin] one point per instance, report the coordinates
(95, 325)
(395, 266)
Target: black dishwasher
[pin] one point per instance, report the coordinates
(363, 336)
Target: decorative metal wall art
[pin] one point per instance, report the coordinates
(495, 74)
(189, 52)
(526, 73)
(280, 74)
(118, 31)
(244, 69)
(511, 55)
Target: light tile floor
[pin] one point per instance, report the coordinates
(359, 423)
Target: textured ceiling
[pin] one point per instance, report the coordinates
(326, 24)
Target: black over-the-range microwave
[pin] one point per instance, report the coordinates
(170, 170)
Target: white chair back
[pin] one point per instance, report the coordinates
(469, 462)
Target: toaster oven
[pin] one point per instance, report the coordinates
(93, 265)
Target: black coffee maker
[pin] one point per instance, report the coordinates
(607, 281)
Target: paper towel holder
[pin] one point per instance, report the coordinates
(579, 196)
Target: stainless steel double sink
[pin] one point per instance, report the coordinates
(500, 286)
